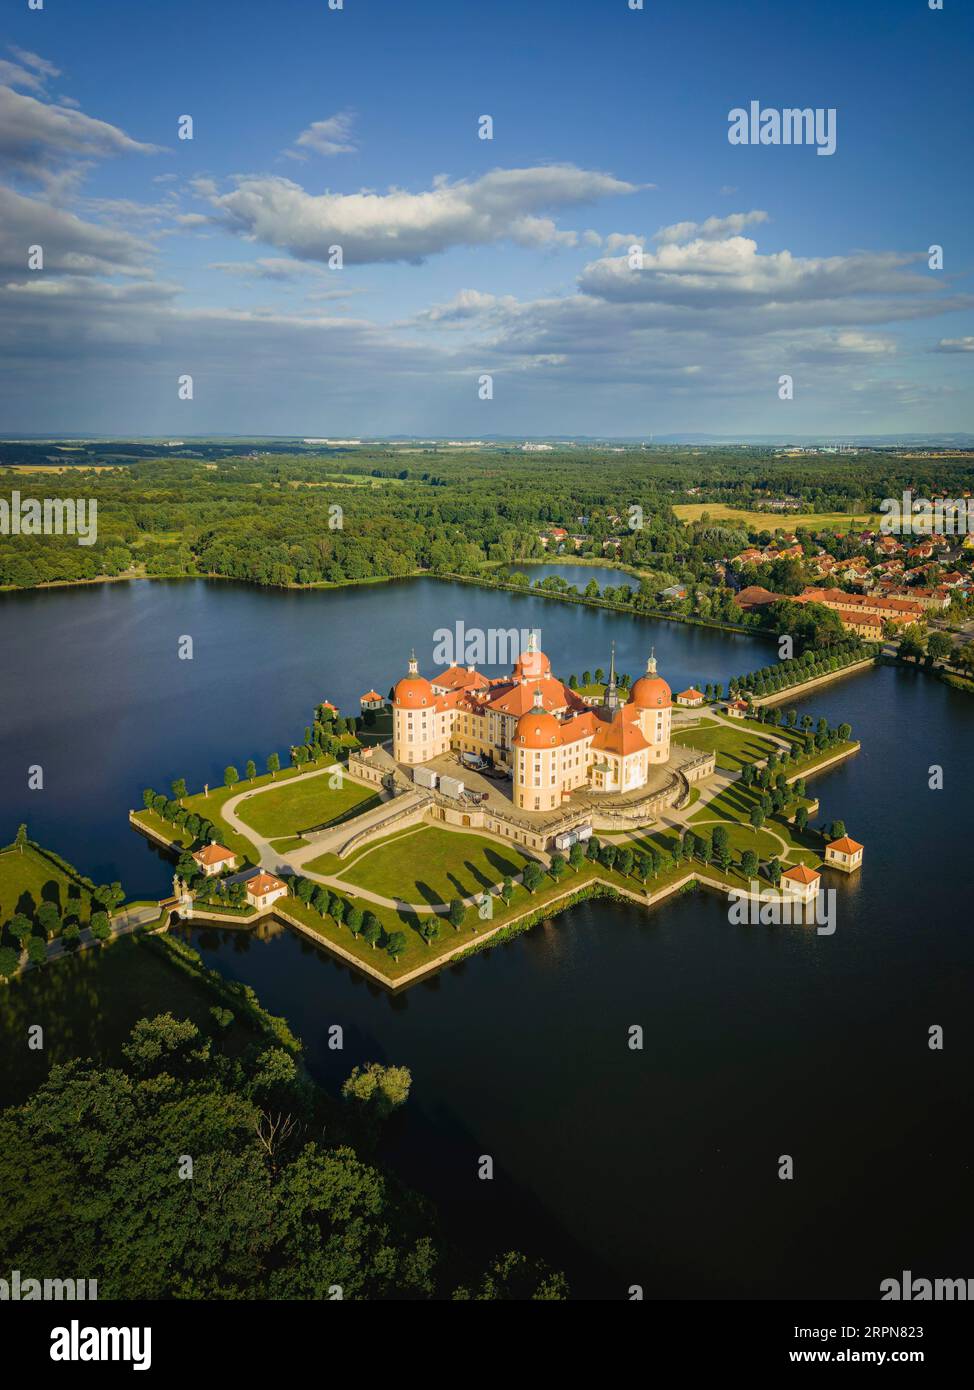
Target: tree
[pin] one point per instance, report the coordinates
(837, 830)
(624, 861)
(19, 928)
(749, 863)
(274, 764)
(336, 908)
(607, 855)
(36, 950)
(757, 817)
(507, 892)
(48, 919)
(457, 914)
(801, 818)
(558, 863)
(774, 871)
(21, 840)
(396, 944)
(429, 929)
(250, 769)
(531, 876)
(372, 931)
(179, 788)
(101, 928)
(9, 962)
(71, 936)
(354, 920)
(576, 855)
(913, 641)
(939, 647)
(382, 1088)
(230, 776)
(305, 889)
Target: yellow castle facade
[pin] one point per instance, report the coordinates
(535, 727)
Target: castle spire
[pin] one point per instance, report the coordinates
(611, 699)
(538, 698)
(651, 662)
(413, 664)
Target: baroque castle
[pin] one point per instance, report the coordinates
(533, 726)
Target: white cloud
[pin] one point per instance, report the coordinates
(714, 229)
(37, 139)
(733, 271)
(331, 136)
(956, 345)
(402, 226)
(71, 245)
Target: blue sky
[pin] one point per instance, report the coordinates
(359, 127)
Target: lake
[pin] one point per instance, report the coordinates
(655, 1167)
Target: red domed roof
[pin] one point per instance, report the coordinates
(532, 664)
(412, 691)
(536, 729)
(651, 692)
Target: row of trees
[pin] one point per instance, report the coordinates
(768, 680)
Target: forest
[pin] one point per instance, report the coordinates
(322, 517)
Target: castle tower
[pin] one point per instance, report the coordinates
(413, 717)
(654, 700)
(537, 749)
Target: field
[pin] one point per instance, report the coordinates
(285, 809)
(431, 865)
(733, 747)
(771, 521)
(28, 879)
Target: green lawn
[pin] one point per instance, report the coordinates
(284, 810)
(29, 879)
(174, 833)
(733, 806)
(433, 865)
(733, 747)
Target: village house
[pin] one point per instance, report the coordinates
(691, 698)
(800, 882)
(736, 709)
(264, 889)
(214, 859)
(844, 854)
(371, 700)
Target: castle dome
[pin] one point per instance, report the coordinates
(414, 690)
(537, 729)
(411, 692)
(532, 665)
(651, 690)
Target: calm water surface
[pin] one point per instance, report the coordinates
(655, 1167)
